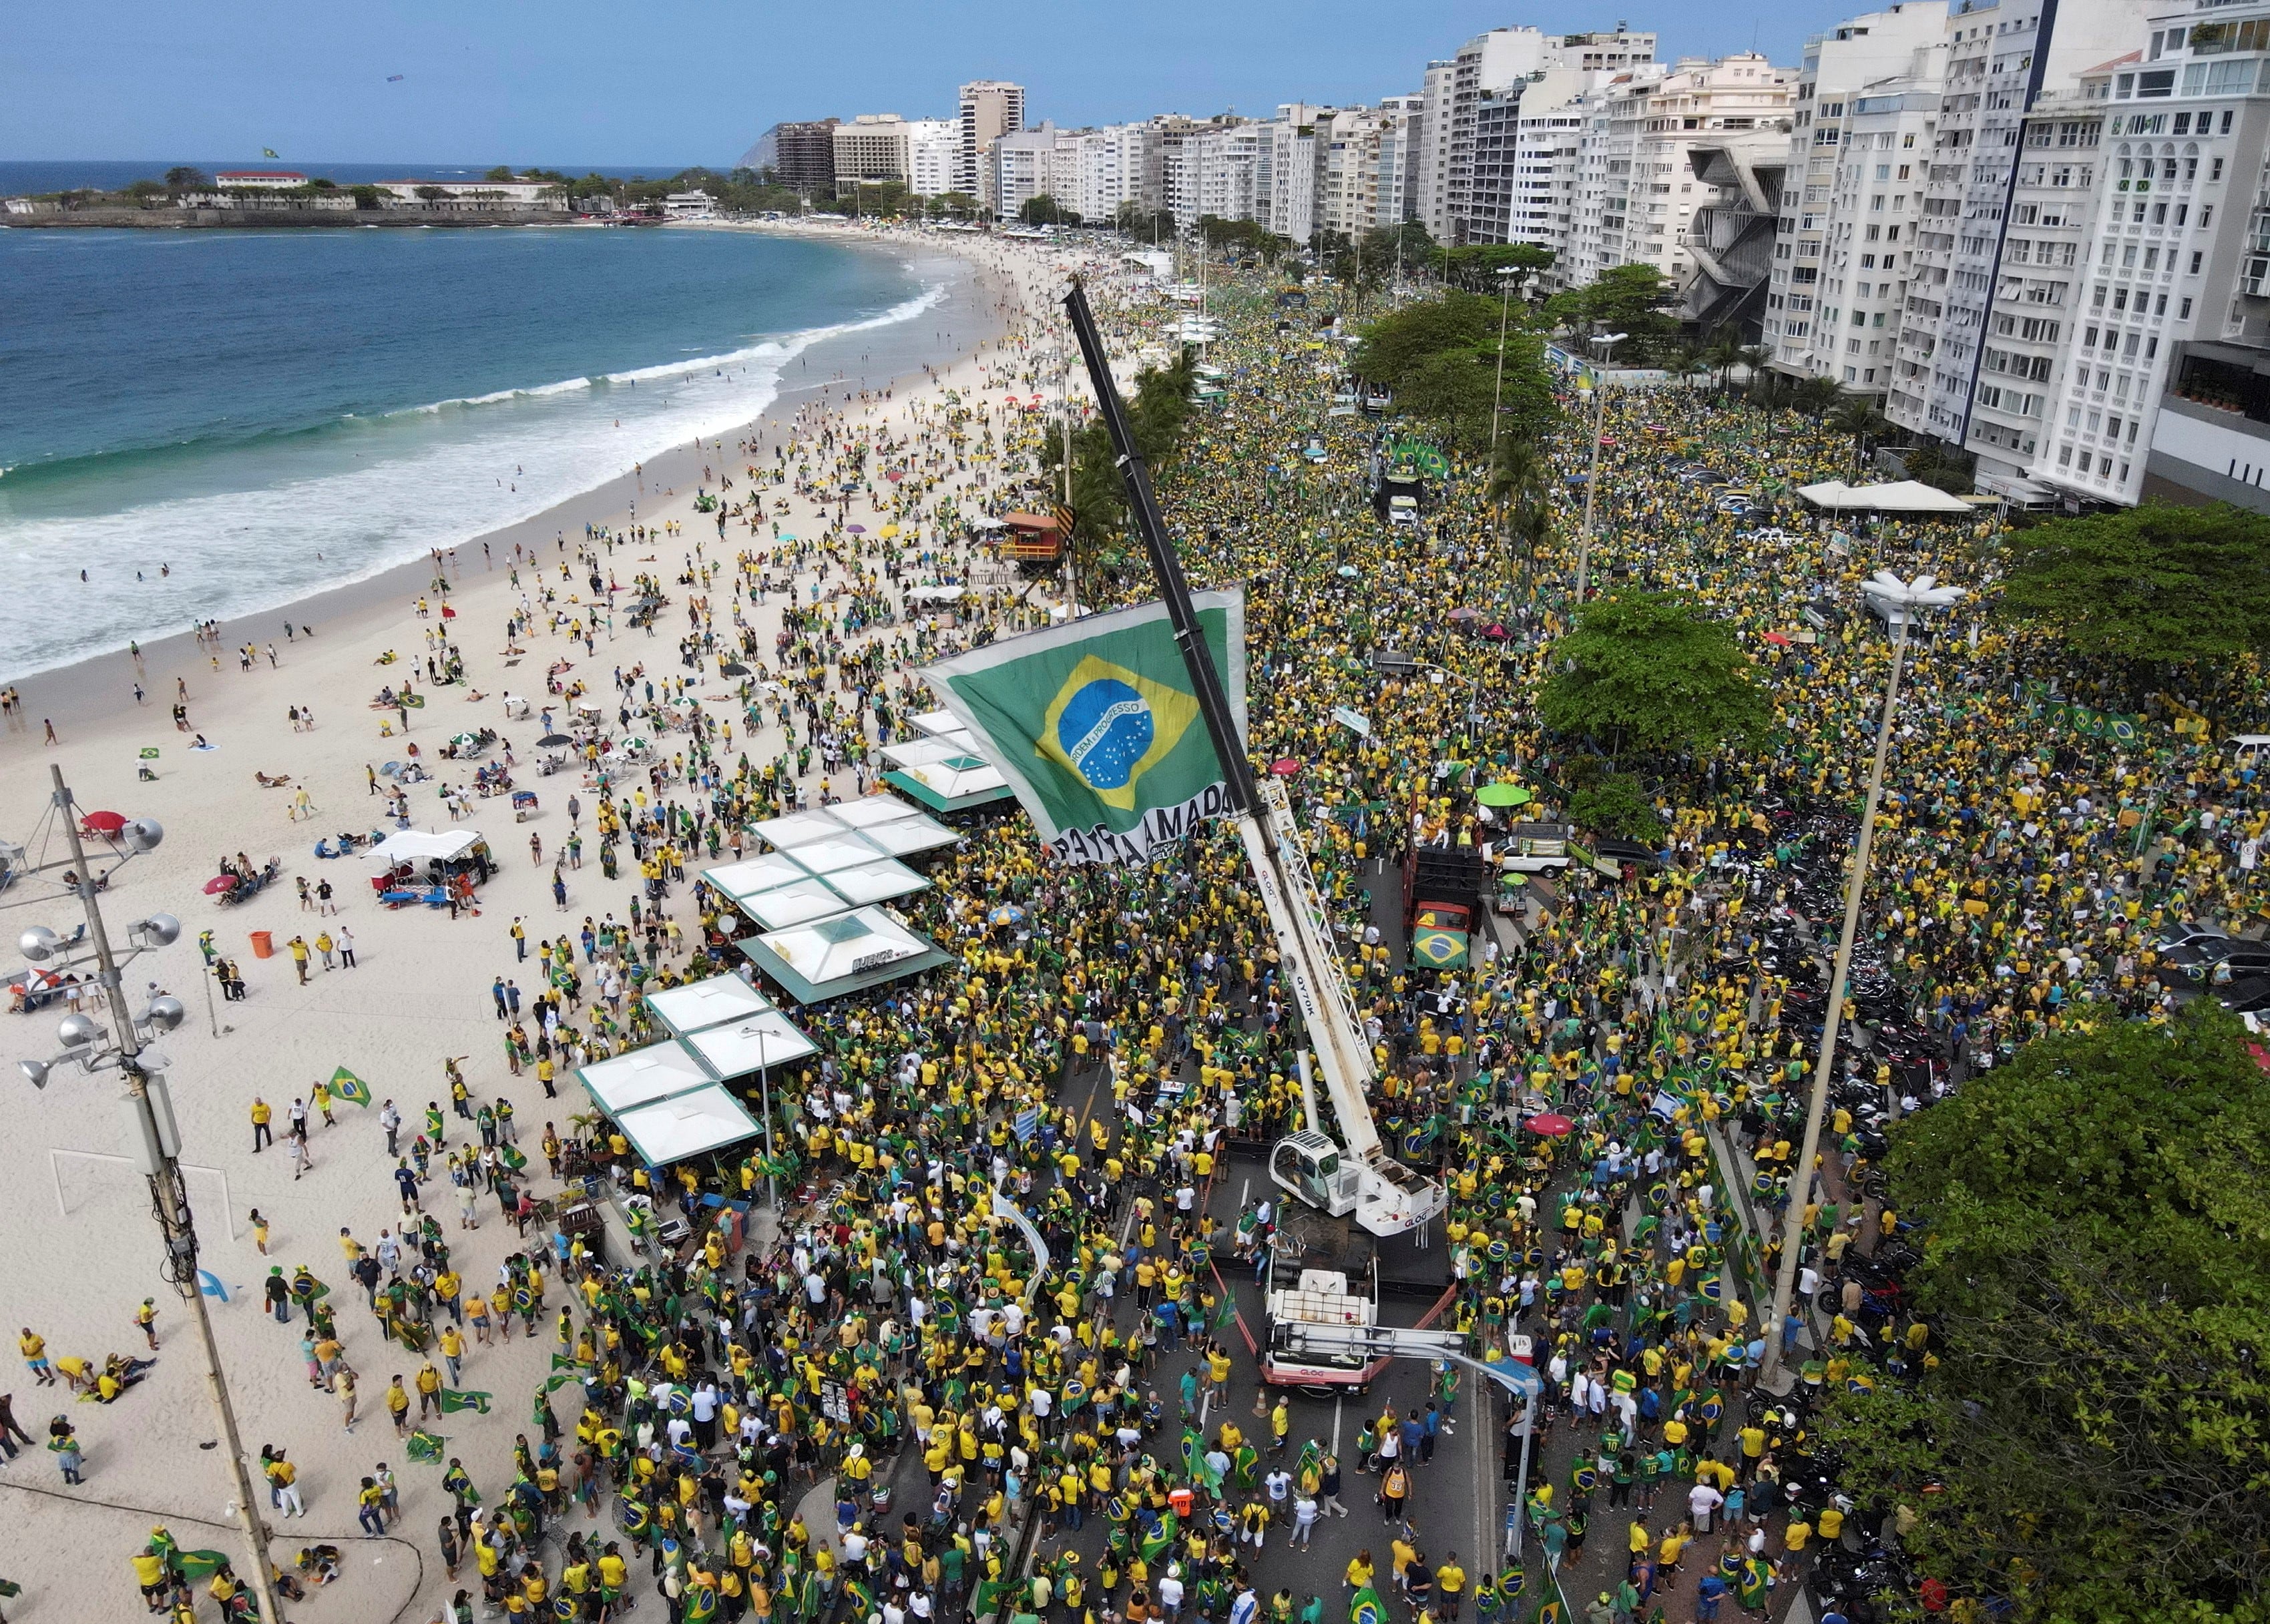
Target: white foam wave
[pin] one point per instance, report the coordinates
(492, 461)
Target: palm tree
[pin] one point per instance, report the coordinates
(1518, 486)
(1857, 415)
(1817, 397)
(1723, 352)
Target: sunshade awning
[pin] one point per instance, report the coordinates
(1898, 496)
(709, 1002)
(691, 1124)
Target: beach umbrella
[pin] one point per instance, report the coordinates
(220, 883)
(552, 740)
(857, 530)
(1284, 766)
(1466, 614)
(1549, 1125)
(896, 475)
(1495, 630)
(590, 707)
(733, 668)
(1502, 795)
(1349, 570)
(1777, 639)
(887, 531)
(104, 823)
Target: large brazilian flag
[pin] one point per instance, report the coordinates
(1095, 724)
(1434, 945)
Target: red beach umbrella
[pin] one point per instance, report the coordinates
(1284, 766)
(220, 883)
(105, 823)
(1549, 1125)
(1777, 639)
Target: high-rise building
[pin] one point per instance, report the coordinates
(1292, 141)
(2003, 57)
(1402, 131)
(1868, 99)
(932, 146)
(1484, 65)
(1430, 203)
(991, 108)
(1635, 192)
(871, 150)
(799, 155)
(1732, 237)
(2161, 389)
(1020, 166)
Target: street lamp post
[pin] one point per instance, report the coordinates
(1901, 601)
(153, 1134)
(1607, 341)
(1505, 276)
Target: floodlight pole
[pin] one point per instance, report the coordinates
(170, 1200)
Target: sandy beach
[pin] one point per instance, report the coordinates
(77, 1250)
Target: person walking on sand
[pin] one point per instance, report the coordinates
(301, 1161)
(344, 942)
(298, 947)
(262, 1135)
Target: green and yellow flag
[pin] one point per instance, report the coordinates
(1095, 724)
(454, 1399)
(347, 1086)
(425, 1446)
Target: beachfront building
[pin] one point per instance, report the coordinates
(479, 195)
(799, 155)
(1635, 193)
(2161, 392)
(871, 150)
(1110, 166)
(1402, 133)
(1017, 168)
(1430, 179)
(694, 205)
(990, 109)
(932, 145)
(1347, 171)
(1293, 133)
(1842, 224)
(2003, 59)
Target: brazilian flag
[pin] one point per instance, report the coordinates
(1162, 1539)
(347, 1086)
(198, 1564)
(454, 1399)
(1366, 1608)
(1435, 945)
(425, 1446)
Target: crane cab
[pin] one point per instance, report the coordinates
(1310, 1168)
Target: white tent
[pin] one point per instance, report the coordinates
(937, 723)
(747, 1047)
(1900, 496)
(831, 957)
(752, 875)
(709, 1002)
(870, 810)
(875, 882)
(917, 596)
(417, 845)
(658, 1071)
(846, 849)
(796, 829)
(908, 835)
(796, 904)
(922, 751)
(691, 1124)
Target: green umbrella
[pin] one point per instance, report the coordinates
(1503, 795)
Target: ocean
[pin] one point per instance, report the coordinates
(212, 423)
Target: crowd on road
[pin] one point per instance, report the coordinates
(1106, 1036)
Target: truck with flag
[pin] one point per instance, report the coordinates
(1441, 901)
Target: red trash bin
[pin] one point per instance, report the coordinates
(263, 944)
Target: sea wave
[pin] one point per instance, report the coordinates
(252, 525)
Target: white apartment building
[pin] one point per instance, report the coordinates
(932, 146)
(1402, 133)
(1430, 203)
(990, 109)
(1901, 51)
(1347, 171)
(1293, 140)
(1484, 65)
(2174, 257)
(1111, 169)
(2003, 56)
(1634, 192)
(1221, 169)
(1022, 163)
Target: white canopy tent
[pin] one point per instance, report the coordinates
(709, 1002)
(418, 846)
(800, 903)
(830, 957)
(1899, 496)
(690, 1124)
(753, 875)
(749, 1048)
(796, 829)
(878, 881)
(657, 1071)
(868, 811)
(847, 848)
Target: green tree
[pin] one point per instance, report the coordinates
(1614, 804)
(1158, 417)
(1145, 225)
(1041, 209)
(1520, 480)
(1648, 670)
(2087, 1441)
(2149, 586)
(1475, 267)
(1394, 345)
(183, 178)
(501, 172)
(1630, 300)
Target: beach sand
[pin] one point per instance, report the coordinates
(77, 1248)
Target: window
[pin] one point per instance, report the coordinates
(2198, 259)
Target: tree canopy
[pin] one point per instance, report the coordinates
(2087, 1438)
(1648, 670)
(1440, 357)
(1631, 300)
(2155, 585)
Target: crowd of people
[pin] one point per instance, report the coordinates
(1106, 1038)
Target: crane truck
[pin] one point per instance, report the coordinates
(1354, 1176)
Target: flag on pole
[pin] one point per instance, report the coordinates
(347, 1086)
(454, 1399)
(209, 1285)
(1095, 724)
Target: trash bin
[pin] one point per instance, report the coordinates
(263, 944)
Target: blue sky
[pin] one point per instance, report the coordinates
(694, 81)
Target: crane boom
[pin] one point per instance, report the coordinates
(1386, 1198)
